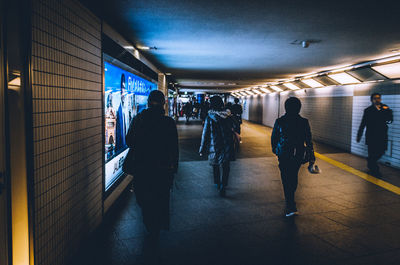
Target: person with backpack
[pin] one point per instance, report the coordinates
(291, 142)
(217, 141)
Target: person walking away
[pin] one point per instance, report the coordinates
(188, 111)
(376, 118)
(153, 161)
(291, 141)
(237, 112)
(196, 109)
(204, 110)
(217, 141)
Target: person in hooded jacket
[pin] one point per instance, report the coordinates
(153, 161)
(217, 141)
(291, 141)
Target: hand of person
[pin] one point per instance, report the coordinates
(201, 154)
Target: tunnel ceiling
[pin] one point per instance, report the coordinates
(228, 44)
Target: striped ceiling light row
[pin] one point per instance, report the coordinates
(372, 71)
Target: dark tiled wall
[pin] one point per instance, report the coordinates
(67, 126)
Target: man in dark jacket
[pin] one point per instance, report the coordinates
(153, 159)
(375, 118)
(217, 141)
(188, 111)
(290, 133)
(237, 110)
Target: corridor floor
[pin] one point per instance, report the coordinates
(343, 218)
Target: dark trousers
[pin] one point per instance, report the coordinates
(225, 174)
(289, 173)
(375, 152)
(153, 196)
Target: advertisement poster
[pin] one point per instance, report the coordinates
(125, 96)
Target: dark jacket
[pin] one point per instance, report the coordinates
(188, 109)
(205, 107)
(217, 138)
(153, 142)
(376, 122)
(237, 112)
(120, 130)
(291, 138)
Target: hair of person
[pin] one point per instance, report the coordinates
(293, 105)
(156, 97)
(236, 100)
(375, 94)
(216, 103)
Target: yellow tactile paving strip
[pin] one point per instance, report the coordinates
(367, 177)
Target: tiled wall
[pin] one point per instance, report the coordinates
(335, 114)
(270, 109)
(67, 121)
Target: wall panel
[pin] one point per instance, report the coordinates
(67, 121)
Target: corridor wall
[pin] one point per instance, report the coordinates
(335, 114)
(67, 127)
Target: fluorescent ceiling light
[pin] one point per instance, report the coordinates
(168, 74)
(264, 90)
(312, 83)
(389, 70)
(276, 88)
(15, 82)
(243, 94)
(344, 78)
(249, 92)
(129, 47)
(388, 59)
(291, 86)
(256, 91)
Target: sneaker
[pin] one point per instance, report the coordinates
(291, 212)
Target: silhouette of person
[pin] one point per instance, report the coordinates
(153, 160)
(291, 141)
(375, 118)
(217, 141)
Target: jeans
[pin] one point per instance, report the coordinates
(225, 174)
(289, 173)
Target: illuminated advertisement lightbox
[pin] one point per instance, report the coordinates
(125, 96)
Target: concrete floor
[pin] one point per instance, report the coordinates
(343, 218)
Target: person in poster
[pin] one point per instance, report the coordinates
(121, 120)
(110, 127)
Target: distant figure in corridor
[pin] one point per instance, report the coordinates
(205, 107)
(375, 118)
(237, 112)
(291, 141)
(217, 141)
(188, 109)
(153, 161)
